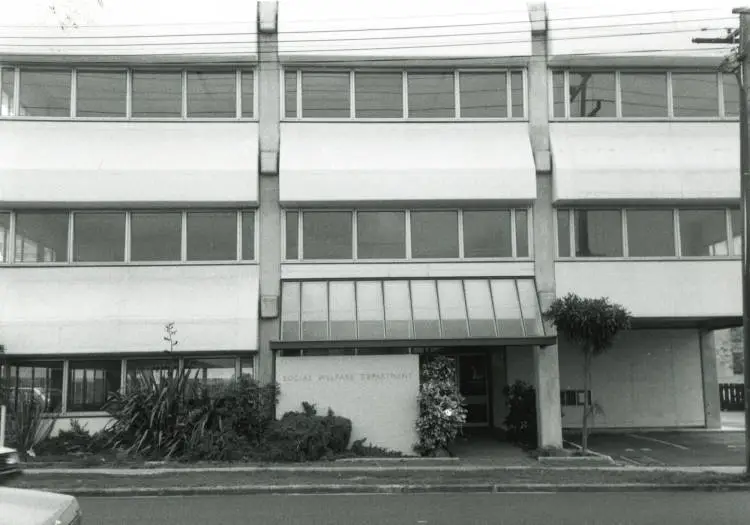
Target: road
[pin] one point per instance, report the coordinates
(685, 508)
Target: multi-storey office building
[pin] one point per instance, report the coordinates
(340, 190)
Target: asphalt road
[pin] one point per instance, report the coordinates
(662, 508)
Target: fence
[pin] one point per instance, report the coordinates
(732, 396)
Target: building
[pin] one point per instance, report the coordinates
(318, 193)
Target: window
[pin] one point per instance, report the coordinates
(211, 94)
(325, 95)
(157, 94)
(592, 94)
(381, 235)
(484, 95)
(452, 304)
(650, 233)
(644, 94)
(292, 235)
(397, 310)
(434, 234)
(487, 234)
(211, 236)
(573, 398)
(736, 218)
(247, 367)
(151, 368)
(101, 93)
(290, 94)
(41, 237)
(90, 382)
(314, 311)
(507, 308)
(479, 308)
(695, 95)
(425, 308)
(290, 311)
(522, 233)
(731, 95)
(99, 236)
(4, 236)
(563, 233)
(532, 316)
(213, 373)
(598, 233)
(45, 93)
(342, 310)
(7, 83)
(38, 380)
(431, 95)
(558, 94)
(517, 94)
(248, 94)
(703, 232)
(370, 315)
(327, 235)
(248, 235)
(379, 95)
(156, 236)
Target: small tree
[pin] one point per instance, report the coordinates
(593, 325)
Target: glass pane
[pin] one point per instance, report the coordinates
(4, 236)
(731, 95)
(452, 309)
(327, 234)
(644, 94)
(425, 308)
(695, 94)
(434, 234)
(517, 94)
(156, 368)
(370, 315)
(7, 81)
(214, 374)
(247, 367)
(736, 216)
(532, 317)
(248, 235)
(156, 236)
(342, 310)
(211, 236)
(558, 94)
(507, 309)
(99, 237)
(431, 95)
(592, 95)
(314, 311)
(292, 234)
(703, 232)
(598, 233)
(101, 93)
(487, 234)
(211, 94)
(563, 233)
(157, 95)
(479, 306)
(397, 310)
(290, 311)
(325, 95)
(379, 95)
(45, 93)
(248, 94)
(38, 380)
(290, 94)
(381, 235)
(522, 233)
(650, 233)
(483, 95)
(41, 237)
(91, 382)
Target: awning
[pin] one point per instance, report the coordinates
(410, 312)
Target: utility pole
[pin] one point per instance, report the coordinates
(740, 67)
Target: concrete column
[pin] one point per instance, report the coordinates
(546, 365)
(269, 210)
(499, 382)
(710, 380)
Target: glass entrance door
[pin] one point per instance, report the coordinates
(473, 383)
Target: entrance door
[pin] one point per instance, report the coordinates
(473, 383)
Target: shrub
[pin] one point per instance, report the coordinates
(29, 424)
(76, 440)
(441, 411)
(360, 448)
(520, 423)
(306, 436)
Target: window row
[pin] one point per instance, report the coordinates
(89, 381)
(649, 232)
(126, 93)
(403, 94)
(641, 94)
(126, 236)
(407, 234)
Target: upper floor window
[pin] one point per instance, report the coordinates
(643, 94)
(118, 93)
(648, 232)
(416, 94)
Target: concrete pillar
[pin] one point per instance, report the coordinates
(269, 210)
(546, 365)
(499, 382)
(710, 380)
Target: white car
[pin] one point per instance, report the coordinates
(35, 507)
(10, 462)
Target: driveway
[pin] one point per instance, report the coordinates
(670, 448)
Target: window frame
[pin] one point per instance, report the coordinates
(41, 68)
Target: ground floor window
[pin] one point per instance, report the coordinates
(38, 380)
(90, 382)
